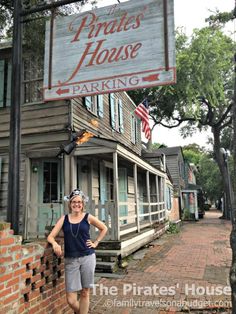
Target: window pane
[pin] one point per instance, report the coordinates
(33, 79)
(50, 178)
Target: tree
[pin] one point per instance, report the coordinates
(35, 22)
(209, 178)
(208, 174)
(192, 153)
(202, 97)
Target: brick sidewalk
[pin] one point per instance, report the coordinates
(185, 272)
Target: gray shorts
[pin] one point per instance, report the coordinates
(79, 272)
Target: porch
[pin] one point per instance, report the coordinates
(125, 192)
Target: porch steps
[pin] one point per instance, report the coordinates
(110, 253)
(105, 267)
(106, 260)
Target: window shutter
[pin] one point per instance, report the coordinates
(138, 129)
(2, 62)
(100, 106)
(133, 130)
(87, 102)
(121, 122)
(112, 110)
(8, 100)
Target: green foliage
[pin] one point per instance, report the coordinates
(186, 214)
(204, 87)
(158, 145)
(191, 156)
(6, 11)
(173, 228)
(209, 177)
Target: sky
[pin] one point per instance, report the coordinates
(188, 14)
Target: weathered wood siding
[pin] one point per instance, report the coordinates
(82, 119)
(4, 188)
(43, 126)
(174, 163)
(39, 123)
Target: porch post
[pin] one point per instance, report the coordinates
(148, 195)
(196, 205)
(116, 196)
(136, 197)
(67, 178)
(164, 194)
(158, 198)
(73, 172)
(90, 187)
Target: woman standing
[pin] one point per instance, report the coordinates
(80, 259)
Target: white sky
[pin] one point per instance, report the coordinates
(188, 14)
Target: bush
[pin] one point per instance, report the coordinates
(173, 228)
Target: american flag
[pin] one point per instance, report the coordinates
(142, 111)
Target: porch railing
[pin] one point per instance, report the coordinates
(122, 225)
(148, 214)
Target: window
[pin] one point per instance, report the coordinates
(116, 113)
(50, 180)
(109, 183)
(32, 79)
(94, 104)
(5, 83)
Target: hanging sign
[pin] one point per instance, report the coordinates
(120, 47)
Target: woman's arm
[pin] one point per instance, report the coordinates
(51, 237)
(102, 228)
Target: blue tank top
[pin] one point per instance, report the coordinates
(75, 237)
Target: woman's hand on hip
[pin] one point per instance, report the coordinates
(92, 244)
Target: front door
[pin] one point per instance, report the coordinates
(49, 205)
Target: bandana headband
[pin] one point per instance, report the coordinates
(76, 192)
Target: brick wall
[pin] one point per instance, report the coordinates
(31, 276)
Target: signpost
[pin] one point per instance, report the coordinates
(119, 47)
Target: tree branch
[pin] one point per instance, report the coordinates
(224, 115)
(228, 123)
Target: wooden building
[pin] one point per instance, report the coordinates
(124, 189)
(175, 165)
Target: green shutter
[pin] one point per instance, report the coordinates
(112, 110)
(2, 63)
(121, 122)
(8, 100)
(133, 130)
(100, 106)
(138, 129)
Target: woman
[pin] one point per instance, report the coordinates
(80, 259)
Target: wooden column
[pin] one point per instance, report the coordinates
(116, 196)
(136, 197)
(148, 196)
(158, 197)
(73, 173)
(196, 207)
(164, 194)
(67, 174)
(90, 187)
